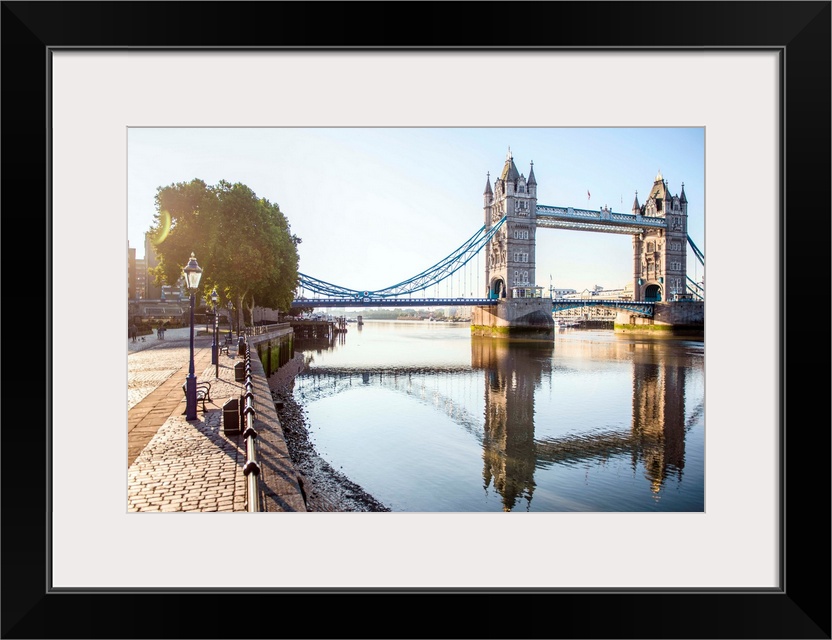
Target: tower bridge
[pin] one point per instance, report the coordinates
(512, 302)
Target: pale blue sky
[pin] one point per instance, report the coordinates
(375, 206)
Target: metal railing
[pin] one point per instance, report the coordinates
(260, 330)
(251, 469)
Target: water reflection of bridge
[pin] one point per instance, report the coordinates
(416, 382)
(514, 370)
(506, 430)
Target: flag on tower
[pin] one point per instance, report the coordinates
(587, 194)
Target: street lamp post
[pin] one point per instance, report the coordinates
(214, 358)
(215, 345)
(230, 319)
(193, 273)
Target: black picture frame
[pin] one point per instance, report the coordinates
(799, 31)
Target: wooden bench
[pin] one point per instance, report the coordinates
(226, 345)
(203, 392)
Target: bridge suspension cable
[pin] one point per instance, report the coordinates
(427, 278)
(696, 288)
(699, 255)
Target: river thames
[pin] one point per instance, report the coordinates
(427, 418)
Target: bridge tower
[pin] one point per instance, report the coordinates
(510, 259)
(660, 254)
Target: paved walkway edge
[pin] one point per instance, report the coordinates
(278, 479)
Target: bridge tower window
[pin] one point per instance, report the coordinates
(521, 277)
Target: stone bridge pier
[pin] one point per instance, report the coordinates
(672, 318)
(527, 318)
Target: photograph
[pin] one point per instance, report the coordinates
(439, 325)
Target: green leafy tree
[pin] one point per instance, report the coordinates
(299, 311)
(243, 243)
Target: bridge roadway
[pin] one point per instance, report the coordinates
(177, 465)
(642, 308)
(391, 302)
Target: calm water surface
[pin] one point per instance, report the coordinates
(429, 419)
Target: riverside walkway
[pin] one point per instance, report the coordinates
(175, 465)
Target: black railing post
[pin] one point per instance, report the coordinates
(251, 469)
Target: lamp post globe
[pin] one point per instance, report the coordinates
(193, 273)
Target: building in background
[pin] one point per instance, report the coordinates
(150, 304)
(599, 293)
(587, 312)
(560, 293)
(132, 293)
(152, 290)
(141, 278)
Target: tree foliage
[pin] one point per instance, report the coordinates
(243, 243)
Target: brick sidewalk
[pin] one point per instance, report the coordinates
(176, 465)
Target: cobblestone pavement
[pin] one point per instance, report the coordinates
(189, 467)
(149, 368)
(184, 466)
(152, 361)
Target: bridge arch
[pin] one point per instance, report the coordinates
(653, 293)
(497, 288)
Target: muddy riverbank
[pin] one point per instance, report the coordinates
(325, 488)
